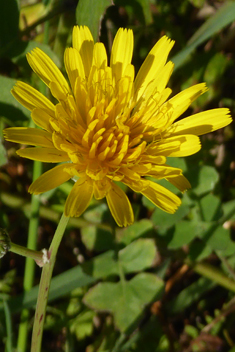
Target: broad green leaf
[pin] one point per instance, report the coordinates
(102, 266)
(125, 299)
(9, 106)
(229, 210)
(229, 251)
(138, 229)
(190, 295)
(164, 221)
(203, 179)
(223, 16)
(218, 238)
(210, 207)
(184, 233)
(198, 250)
(9, 22)
(97, 239)
(90, 13)
(138, 256)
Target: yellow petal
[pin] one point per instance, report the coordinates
(49, 180)
(84, 43)
(201, 123)
(178, 146)
(184, 99)
(180, 182)
(46, 155)
(101, 188)
(153, 64)
(162, 197)
(122, 51)
(45, 68)
(74, 65)
(120, 206)
(164, 171)
(79, 197)
(31, 98)
(31, 136)
(99, 56)
(156, 86)
(42, 119)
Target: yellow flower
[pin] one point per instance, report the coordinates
(109, 126)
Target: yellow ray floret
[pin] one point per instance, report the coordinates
(107, 126)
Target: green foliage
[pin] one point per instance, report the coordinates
(89, 13)
(125, 299)
(134, 289)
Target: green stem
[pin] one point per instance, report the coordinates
(213, 274)
(26, 252)
(30, 264)
(45, 285)
(8, 326)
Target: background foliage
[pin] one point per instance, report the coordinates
(167, 282)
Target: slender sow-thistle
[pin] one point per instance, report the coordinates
(111, 125)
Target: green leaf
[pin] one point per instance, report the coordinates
(61, 285)
(229, 251)
(183, 234)
(224, 16)
(9, 106)
(164, 221)
(97, 239)
(229, 210)
(203, 179)
(138, 256)
(9, 22)
(138, 229)
(125, 299)
(198, 251)
(102, 266)
(90, 12)
(210, 207)
(218, 238)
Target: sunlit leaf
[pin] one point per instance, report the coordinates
(90, 13)
(125, 299)
(9, 106)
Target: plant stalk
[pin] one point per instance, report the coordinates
(45, 285)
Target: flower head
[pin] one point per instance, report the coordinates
(109, 125)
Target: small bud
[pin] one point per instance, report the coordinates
(5, 242)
